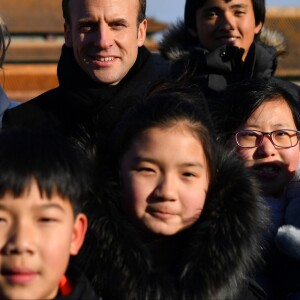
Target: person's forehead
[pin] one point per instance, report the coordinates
(228, 2)
(103, 3)
(126, 9)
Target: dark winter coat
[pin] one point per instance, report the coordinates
(214, 71)
(222, 66)
(81, 288)
(219, 252)
(78, 99)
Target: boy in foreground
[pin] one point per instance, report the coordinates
(42, 185)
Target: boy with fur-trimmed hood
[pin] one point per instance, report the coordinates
(221, 42)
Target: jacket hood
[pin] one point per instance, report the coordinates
(177, 41)
(221, 248)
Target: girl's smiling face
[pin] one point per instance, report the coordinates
(165, 178)
(273, 166)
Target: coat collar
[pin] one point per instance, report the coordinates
(219, 251)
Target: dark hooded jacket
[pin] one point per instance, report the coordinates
(213, 71)
(219, 251)
(223, 65)
(78, 98)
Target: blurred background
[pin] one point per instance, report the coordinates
(36, 28)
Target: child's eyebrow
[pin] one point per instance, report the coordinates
(138, 159)
(276, 125)
(50, 206)
(192, 164)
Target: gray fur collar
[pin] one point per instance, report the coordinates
(177, 40)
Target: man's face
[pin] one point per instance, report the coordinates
(37, 237)
(105, 36)
(223, 22)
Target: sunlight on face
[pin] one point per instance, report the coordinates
(222, 22)
(274, 167)
(165, 178)
(105, 36)
(37, 237)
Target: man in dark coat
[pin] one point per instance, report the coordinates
(103, 69)
(222, 42)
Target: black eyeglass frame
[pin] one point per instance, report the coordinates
(264, 133)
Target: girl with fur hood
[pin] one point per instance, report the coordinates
(221, 42)
(261, 122)
(183, 220)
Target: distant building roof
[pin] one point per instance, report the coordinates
(155, 26)
(287, 22)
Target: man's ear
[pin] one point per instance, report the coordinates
(79, 231)
(258, 28)
(68, 35)
(142, 31)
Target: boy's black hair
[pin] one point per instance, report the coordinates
(45, 157)
(243, 98)
(191, 7)
(166, 104)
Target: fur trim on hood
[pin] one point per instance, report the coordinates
(177, 41)
(221, 248)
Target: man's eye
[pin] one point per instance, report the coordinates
(240, 12)
(117, 25)
(3, 220)
(210, 14)
(86, 27)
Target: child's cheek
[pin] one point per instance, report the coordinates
(293, 164)
(244, 154)
(134, 199)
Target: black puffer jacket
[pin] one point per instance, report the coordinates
(219, 251)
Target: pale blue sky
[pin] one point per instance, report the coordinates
(171, 10)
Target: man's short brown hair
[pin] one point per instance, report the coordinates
(66, 12)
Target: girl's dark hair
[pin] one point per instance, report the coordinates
(191, 7)
(45, 157)
(243, 98)
(167, 104)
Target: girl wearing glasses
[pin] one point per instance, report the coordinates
(261, 124)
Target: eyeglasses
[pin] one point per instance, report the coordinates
(283, 138)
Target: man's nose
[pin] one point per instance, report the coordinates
(104, 38)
